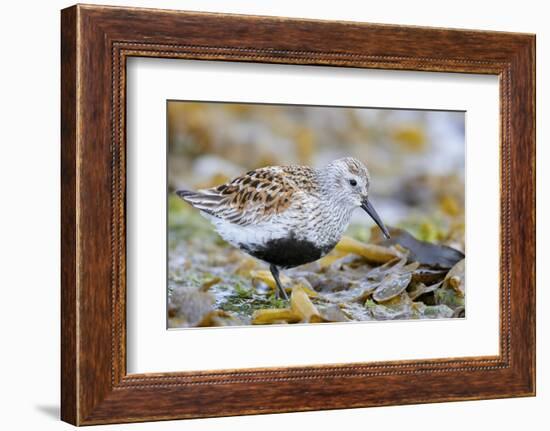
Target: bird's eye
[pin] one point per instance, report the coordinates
(353, 182)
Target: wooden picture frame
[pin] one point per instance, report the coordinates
(96, 41)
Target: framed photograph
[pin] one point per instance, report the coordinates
(264, 215)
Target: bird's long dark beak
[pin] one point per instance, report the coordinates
(367, 206)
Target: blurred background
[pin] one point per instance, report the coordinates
(416, 160)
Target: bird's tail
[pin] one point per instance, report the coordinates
(207, 202)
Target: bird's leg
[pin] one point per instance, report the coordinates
(280, 289)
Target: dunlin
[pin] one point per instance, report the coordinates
(287, 216)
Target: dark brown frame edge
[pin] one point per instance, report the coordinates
(95, 43)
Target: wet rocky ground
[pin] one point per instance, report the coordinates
(364, 278)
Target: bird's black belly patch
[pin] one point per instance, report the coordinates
(289, 252)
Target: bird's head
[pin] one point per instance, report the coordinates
(348, 181)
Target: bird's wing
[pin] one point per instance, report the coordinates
(258, 195)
